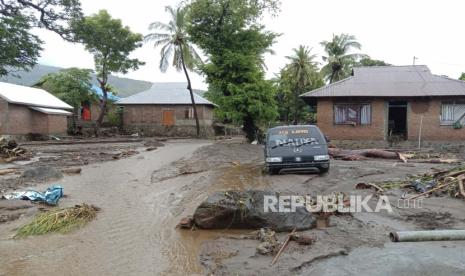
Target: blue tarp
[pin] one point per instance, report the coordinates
(97, 91)
(49, 197)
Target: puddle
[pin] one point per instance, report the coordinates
(241, 177)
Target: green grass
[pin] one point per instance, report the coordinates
(59, 221)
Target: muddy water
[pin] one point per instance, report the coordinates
(135, 232)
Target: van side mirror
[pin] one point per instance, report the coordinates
(327, 139)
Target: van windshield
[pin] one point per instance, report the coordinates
(295, 137)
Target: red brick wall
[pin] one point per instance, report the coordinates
(429, 109)
(19, 120)
(431, 128)
(375, 131)
(152, 114)
(4, 116)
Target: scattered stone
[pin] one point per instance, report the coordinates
(302, 239)
(186, 223)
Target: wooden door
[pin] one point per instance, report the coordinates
(168, 117)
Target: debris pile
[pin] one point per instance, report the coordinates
(10, 151)
(268, 242)
(439, 182)
(245, 210)
(59, 221)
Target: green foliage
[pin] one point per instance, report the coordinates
(228, 32)
(367, 61)
(174, 38)
(124, 87)
(59, 221)
(70, 85)
(462, 77)
(114, 114)
(298, 76)
(339, 60)
(111, 44)
(19, 49)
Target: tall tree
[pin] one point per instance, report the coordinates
(302, 72)
(339, 59)
(19, 48)
(72, 86)
(111, 44)
(231, 36)
(174, 38)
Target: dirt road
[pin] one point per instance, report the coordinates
(144, 196)
(131, 236)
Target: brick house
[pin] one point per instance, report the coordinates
(381, 102)
(25, 110)
(165, 109)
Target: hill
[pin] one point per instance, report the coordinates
(124, 87)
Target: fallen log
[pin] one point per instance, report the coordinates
(362, 154)
(7, 171)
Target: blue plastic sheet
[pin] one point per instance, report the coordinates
(49, 197)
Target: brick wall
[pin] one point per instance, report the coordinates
(4, 116)
(429, 109)
(20, 120)
(375, 131)
(431, 128)
(148, 120)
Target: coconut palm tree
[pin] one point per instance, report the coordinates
(339, 60)
(303, 71)
(174, 39)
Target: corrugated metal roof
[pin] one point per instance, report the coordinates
(52, 111)
(165, 93)
(30, 96)
(391, 81)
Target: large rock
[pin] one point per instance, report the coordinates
(245, 210)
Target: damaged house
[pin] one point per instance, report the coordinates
(166, 109)
(383, 102)
(27, 110)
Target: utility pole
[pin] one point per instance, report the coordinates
(414, 59)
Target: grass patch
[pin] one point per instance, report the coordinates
(59, 221)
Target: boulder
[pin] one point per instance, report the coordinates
(245, 210)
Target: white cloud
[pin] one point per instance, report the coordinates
(391, 30)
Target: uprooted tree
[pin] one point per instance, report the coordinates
(230, 35)
(19, 48)
(111, 44)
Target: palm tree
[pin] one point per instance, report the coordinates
(339, 60)
(302, 69)
(174, 38)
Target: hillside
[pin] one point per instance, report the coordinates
(124, 87)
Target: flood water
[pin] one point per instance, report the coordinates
(135, 231)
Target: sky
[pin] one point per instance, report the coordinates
(391, 30)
